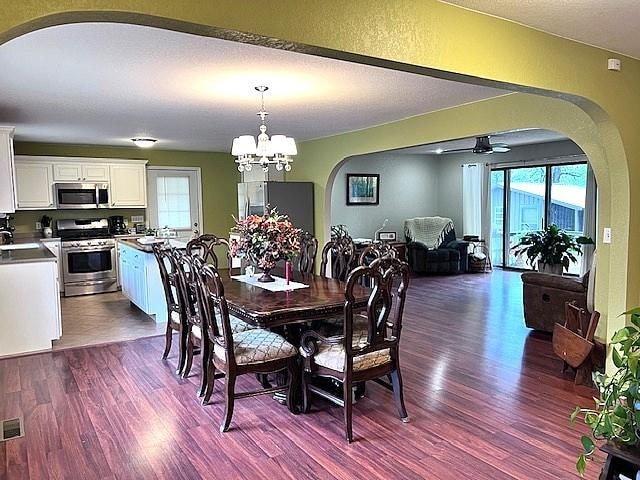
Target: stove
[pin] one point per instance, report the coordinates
(88, 256)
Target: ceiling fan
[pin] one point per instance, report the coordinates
(483, 146)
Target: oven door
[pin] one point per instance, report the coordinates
(82, 195)
(88, 263)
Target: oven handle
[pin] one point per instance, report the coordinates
(88, 249)
(97, 196)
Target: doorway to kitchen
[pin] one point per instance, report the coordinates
(175, 199)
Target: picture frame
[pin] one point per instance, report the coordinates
(363, 189)
(387, 236)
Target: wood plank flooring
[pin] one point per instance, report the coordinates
(485, 397)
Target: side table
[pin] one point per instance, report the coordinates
(620, 461)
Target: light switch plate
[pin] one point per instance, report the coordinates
(38, 226)
(137, 218)
(606, 235)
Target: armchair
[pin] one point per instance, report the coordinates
(432, 246)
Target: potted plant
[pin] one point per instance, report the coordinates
(552, 249)
(265, 239)
(45, 222)
(615, 417)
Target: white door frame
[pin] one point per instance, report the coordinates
(152, 202)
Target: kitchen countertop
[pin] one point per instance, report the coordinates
(26, 255)
(176, 242)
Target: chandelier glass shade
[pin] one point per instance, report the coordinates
(263, 151)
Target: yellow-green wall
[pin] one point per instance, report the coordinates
(219, 181)
(428, 37)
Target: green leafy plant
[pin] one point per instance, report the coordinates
(616, 415)
(551, 246)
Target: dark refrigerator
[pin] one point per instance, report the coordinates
(290, 198)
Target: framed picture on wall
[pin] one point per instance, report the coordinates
(363, 189)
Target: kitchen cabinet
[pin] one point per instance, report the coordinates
(79, 172)
(128, 185)
(34, 185)
(53, 245)
(35, 177)
(140, 280)
(7, 173)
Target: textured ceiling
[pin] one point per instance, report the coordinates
(609, 24)
(106, 83)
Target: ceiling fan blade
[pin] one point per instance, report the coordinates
(456, 150)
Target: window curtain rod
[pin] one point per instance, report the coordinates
(557, 160)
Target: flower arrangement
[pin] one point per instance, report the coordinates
(265, 239)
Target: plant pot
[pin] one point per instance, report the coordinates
(266, 276)
(47, 232)
(555, 268)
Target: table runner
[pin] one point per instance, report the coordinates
(280, 284)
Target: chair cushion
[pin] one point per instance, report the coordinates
(237, 325)
(333, 357)
(175, 317)
(329, 327)
(257, 346)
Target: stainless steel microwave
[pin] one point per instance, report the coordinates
(82, 195)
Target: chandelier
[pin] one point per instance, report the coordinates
(275, 151)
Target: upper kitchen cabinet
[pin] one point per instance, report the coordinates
(37, 175)
(7, 173)
(34, 185)
(128, 183)
(80, 172)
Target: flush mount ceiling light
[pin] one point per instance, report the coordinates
(144, 142)
(275, 151)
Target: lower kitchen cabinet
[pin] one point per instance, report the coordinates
(140, 280)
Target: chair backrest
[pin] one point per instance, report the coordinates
(187, 266)
(376, 250)
(169, 277)
(385, 307)
(308, 251)
(340, 254)
(212, 302)
(204, 245)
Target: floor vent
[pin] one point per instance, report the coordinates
(11, 428)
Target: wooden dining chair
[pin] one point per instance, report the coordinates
(176, 315)
(231, 354)
(358, 357)
(337, 258)
(204, 247)
(308, 250)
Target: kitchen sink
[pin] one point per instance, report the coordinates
(19, 246)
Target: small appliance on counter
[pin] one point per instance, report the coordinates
(117, 225)
(141, 228)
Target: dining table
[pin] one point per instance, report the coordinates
(323, 298)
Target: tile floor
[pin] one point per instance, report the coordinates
(103, 318)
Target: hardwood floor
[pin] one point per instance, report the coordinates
(103, 318)
(485, 397)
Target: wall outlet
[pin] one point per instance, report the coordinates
(606, 235)
(38, 226)
(137, 218)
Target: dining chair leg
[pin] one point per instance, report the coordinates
(204, 375)
(210, 387)
(189, 359)
(306, 394)
(347, 395)
(229, 394)
(396, 381)
(294, 385)
(168, 337)
(182, 354)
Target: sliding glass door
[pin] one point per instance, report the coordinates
(530, 198)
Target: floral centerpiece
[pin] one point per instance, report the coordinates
(264, 240)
